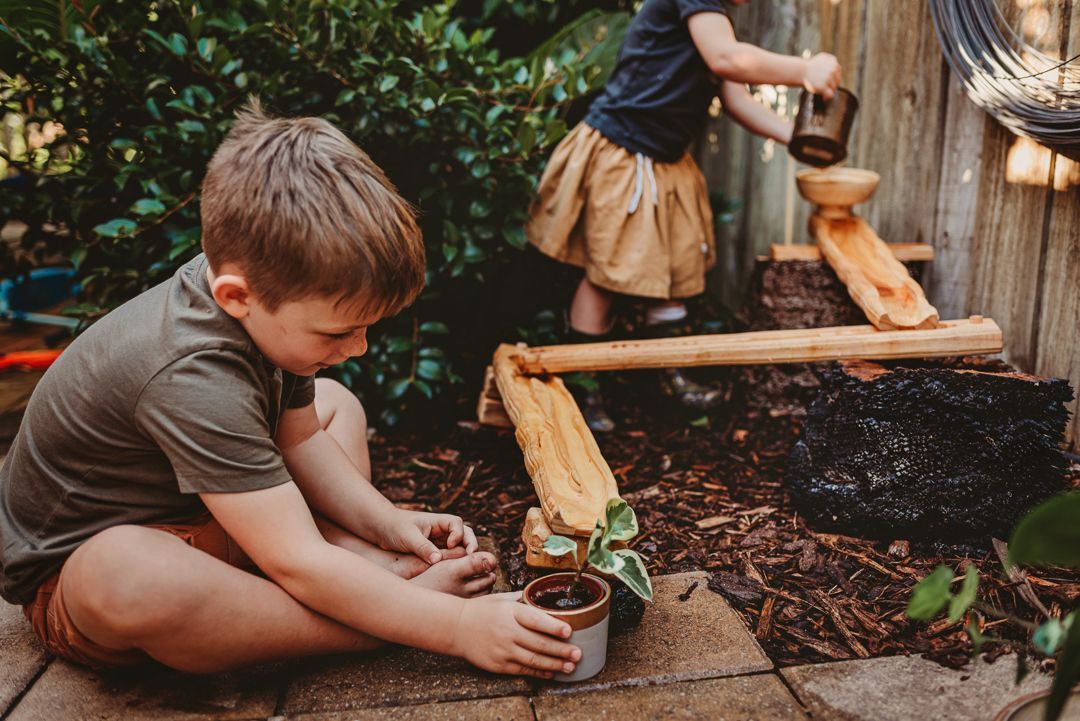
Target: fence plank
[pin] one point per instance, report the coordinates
(1007, 249)
(901, 115)
(954, 232)
(1058, 349)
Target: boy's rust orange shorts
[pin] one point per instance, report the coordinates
(50, 620)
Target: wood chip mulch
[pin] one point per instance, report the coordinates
(711, 496)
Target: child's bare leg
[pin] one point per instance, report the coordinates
(590, 310)
(134, 587)
(344, 419)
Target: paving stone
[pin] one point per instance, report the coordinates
(909, 688)
(23, 655)
(677, 640)
(151, 693)
(489, 709)
(396, 677)
(760, 697)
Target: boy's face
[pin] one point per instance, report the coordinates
(299, 336)
(305, 336)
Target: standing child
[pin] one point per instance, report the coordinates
(622, 199)
(182, 488)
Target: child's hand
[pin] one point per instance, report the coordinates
(500, 635)
(414, 531)
(822, 75)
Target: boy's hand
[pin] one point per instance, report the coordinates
(500, 635)
(414, 531)
(822, 75)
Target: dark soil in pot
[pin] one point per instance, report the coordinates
(566, 595)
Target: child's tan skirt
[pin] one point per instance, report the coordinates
(635, 226)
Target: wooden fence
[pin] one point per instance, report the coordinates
(1002, 212)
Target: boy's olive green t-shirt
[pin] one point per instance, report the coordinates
(164, 398)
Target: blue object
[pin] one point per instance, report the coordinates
(37, 289)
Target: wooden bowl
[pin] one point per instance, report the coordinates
(841, 187)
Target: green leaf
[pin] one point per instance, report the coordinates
(116, 228)
(397, 388)
(1048, 636)
(344, 97)
(480, 169)
(1050, 534)
(429, 369)
(560, 546)
(206, 47)
(389, 82)
(620, 521)
(599, 556)
(191, 126)
(1068, 673)
(480, 208)
(424, 388)
(433, 326)
(633, 573)
(931, 594)
(515, 236)
(398, 344)
(178, 44)
(961, 602)
(147, 206)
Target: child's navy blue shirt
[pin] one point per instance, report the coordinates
(656, 99)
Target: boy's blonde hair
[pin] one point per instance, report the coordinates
(304, 212)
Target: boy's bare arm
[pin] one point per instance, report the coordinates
(752, 115)
(715, 40)
(336, 488)
(276, 529)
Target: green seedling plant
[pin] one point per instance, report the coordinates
(1047, 536)
(618, 524)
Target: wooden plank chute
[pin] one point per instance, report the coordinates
(570, 475)
(876, 280)
(904, 252)
(972, 336)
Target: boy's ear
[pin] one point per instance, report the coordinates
(232, 293)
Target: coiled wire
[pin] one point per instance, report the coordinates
(1024, 89)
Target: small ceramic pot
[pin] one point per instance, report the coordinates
(1032, 706)
(590, 622)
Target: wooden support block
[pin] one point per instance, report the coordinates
(536, 531)
(570, 476)
(877, 281)
(489, 408)
(904, 252)
(974, 336)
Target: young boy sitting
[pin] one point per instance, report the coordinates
(183, 489)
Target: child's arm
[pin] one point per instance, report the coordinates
(332, 485)
(752, 115)
(730, 59)
(276, 529)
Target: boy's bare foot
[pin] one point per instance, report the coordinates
(409, 566)
(469, 576)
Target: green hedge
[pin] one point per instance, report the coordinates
(146, 95)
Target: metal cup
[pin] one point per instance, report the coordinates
(822, 127)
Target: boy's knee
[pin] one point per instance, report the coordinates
(333, 400)
(115, 582)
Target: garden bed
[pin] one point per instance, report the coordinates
(710, 495)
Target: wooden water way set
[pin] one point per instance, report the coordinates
(522, 388)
